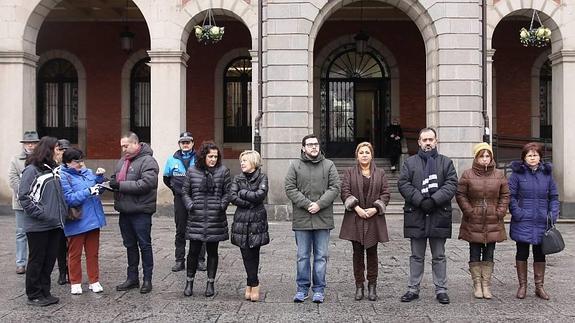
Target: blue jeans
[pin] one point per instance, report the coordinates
(319, 241)
(21, 240)
(136, 233)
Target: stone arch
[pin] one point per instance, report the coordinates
(126, 76)
(39, 10)
(377, 45)
(549, 12)
(81, 71)
(192, 14)
(535, 84)
(218, 101)
(418, 15)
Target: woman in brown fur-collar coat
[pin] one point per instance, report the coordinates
(483, 196)
(365, 195)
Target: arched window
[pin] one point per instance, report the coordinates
(354, 100)
(57, 111)
(140, 100)
(238, 101)
(545, 104)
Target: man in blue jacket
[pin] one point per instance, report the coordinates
(174, 175)
(427, 182)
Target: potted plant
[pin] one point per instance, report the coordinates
(538, 37)
(209, 32)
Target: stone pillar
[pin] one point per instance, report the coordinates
(168, 82)
(563, 69)
(490, 95)
(255, 92)
(18, 109)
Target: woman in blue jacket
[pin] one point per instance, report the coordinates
(81, 191)
(533, 196)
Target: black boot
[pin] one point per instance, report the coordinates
(178, 266)
(63, 278)
(146, 287)
(210, 288)
(189, 290)
(371, 291)
(359, 292)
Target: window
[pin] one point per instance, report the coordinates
(140, 100)
(57, 111)
(238, 101)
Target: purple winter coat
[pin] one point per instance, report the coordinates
(533, 195)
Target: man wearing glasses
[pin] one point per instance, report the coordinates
(174, 175)
(312, 184)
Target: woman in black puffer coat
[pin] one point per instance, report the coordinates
(206, 196)
(250, 227)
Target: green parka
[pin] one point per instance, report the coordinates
(312, 180)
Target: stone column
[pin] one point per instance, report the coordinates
(490, 95)
(168, 82)
(18, 107)
(255, 92)
(563, 69)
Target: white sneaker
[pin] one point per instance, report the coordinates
(96, 287)
(76, 289)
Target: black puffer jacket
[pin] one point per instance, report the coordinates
(250, 227)
(206, 196)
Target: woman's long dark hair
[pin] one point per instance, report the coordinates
(204, 151)
(43, 153)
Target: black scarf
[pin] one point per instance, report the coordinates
(208, 184)
(429, 184)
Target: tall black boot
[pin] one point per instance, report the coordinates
(189, 290)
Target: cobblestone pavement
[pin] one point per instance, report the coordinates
(166, 303)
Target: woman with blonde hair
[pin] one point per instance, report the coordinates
(365, 194)
(250, 227)
(483, 196)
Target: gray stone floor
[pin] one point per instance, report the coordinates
(166, 303)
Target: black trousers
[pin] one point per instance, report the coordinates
(181, 220)
(477, 250)
(523, 252)
(43, 250)
(63, 254)
(251, 258)
(212, 262)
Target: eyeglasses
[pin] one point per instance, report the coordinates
(61, 149)
(79, 161)
(313, 144)
(186, 142)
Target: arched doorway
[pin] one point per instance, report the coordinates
(57, 111)
(140, 100)
(238, 100)
(355, 100)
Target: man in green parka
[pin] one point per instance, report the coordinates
(312, 184)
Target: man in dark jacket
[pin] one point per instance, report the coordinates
(312, 184)
(427, 182)
(135, 182)
(174, 175)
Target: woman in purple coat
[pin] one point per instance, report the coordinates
(533, 196)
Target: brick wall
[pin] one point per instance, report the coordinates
(512, 65)
(97, 45)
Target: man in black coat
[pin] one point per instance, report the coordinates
(135, 182)
(427, 182)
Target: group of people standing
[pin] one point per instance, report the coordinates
(55, 180)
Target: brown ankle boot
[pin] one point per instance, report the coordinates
(255, 295)
(248, 293)
(539, 278)
(486, 272)
(522, 277)
(475, 270)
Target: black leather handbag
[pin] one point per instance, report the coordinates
(552, 241)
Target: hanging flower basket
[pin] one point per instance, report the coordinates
(537, 37)
(209, 32)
